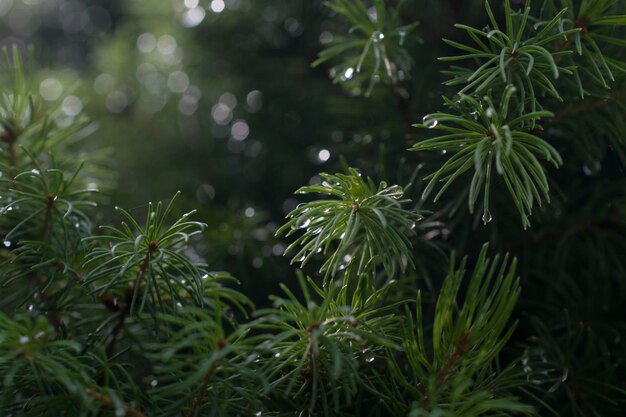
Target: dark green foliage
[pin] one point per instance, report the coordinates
(377, 40)
(363, 227)
(124, 316)
(491, 138)
(459, 379)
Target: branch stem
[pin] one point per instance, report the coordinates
(106, 400)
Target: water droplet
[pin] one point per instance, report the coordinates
(490, 112)
(369, 359)
(154, 383)
(347, 258)
(277, 355)
(443, 152)
(592, 168)
(24, 340)
(6, 243)
(35, 171)
(402, 34)
(378, 36)
(373, 14)
(348, 74)
(487, 217)
(305, 224)
(31, 307)
(429, 121)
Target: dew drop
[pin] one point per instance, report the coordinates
(443, 152)
(348, 74)
(592, 168)
(24, 340)
(277, 355)
(429, 121)
(154, 383)
(487, 217)
(369, 359)
(6, 243)
(402, 34)
(489, 112)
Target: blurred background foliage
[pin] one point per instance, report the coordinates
(217, 98)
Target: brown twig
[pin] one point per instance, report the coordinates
(50, 199)
(124, 309)
(444, 373)
(106, 400)
(221, 344)
(9, 136)
(587, 105)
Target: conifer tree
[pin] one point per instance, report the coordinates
(101, 319)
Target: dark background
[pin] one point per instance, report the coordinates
(218, 99)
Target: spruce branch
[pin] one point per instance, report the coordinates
(374, 51)
(481, 136)
(466, 341)
(146, 260)
(362, 226)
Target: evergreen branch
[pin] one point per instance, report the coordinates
(375, 49)
(466, 341)
(487, 138)
(363, 226)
